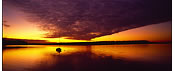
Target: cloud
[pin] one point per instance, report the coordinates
(6, 25)
(87, 19)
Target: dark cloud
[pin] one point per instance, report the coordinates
(6, 25)
(86, 19)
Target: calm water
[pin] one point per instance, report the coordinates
(140, 57)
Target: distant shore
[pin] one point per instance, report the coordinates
(89, 43)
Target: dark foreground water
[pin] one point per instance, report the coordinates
(140, 57)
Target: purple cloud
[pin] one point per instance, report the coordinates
(87, 19)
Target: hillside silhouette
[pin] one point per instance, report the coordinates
(6, 41)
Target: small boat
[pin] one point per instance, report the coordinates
(58, 50)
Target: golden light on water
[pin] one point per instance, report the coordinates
(40, 56)
(30, 56)
(34, 29)
(143, 52)
(36, 53)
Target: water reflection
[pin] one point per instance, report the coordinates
(88, 58)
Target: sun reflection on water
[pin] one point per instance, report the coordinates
(17, 57)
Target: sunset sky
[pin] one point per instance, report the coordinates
(22, 23)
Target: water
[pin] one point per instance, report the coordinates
(140, 57)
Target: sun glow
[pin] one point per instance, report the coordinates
(157, 32)
(32, 31)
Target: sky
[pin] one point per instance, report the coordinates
(87, 20)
